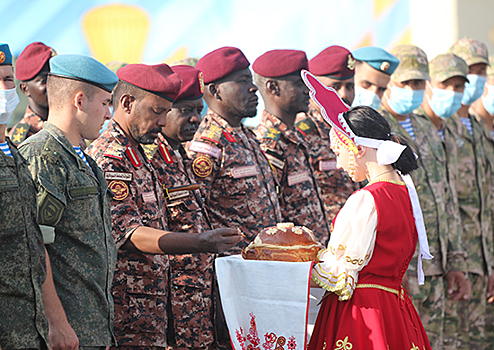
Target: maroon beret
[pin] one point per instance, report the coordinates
(221, 62)
(192, 82)
(335, 61)
(31, 60)
(277, 63)
(158, 79)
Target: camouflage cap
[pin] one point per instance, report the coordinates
(472, 51)
(446, 66)
(413, 63)
(490, 68)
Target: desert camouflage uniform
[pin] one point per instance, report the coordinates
(474, 170)
(336, 186)
(237, 182)
(301, 199)
(140, 286)
(441, 218)
(29, 125)
(22, 258)
(191, 314)
(75, 200)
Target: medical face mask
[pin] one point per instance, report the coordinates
(445, 103)
(473, 89)
(365, 97)
(405, 101)
(488, 100)
(8, 101)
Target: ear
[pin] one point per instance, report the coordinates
(24, 88)
(272, 87)
(214, 90)
(127, 103)
(361, 151)
(77, 100)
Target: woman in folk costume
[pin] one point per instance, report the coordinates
(373, 239)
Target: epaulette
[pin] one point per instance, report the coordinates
(272, 133)
(115, 150)
(150, 150)
(305, 126)
(20, 133)
(51, 150)
(213, 133)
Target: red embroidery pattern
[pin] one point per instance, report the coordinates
(272, 341)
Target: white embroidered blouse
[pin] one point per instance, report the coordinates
(350, 247)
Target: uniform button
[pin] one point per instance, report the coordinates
(47, 149)
(55, 153)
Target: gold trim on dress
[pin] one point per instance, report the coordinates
(401, 183)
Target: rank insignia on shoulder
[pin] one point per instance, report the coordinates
(165, 153)
(20, 133)
(272, 133)
(115, 151)
(119, 189)
(202, 166)
(213, 133)
(229, 136)
(150, 150)
(134, 159)
(305, 126)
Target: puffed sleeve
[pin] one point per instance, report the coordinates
(350, 247)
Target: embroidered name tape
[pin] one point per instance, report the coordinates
(327, 165)
(149, 197)
(275, 161)
(244, 171)
(113, 175)
(178, 195)
(298, 178)
(202, 147)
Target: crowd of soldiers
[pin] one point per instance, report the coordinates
(113, 245)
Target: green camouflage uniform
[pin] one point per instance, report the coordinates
(475, 160)
(75, 200)
(22, 258)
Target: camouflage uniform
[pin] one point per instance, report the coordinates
(191, 281)
(29, 125)
(140, 286)
(473, 174)
(441, 218)
(336, 186)
(74, 199)
(301, 199)
(235, 177)
(22, 258)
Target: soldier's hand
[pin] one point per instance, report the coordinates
(221, 239)
(490, 289)
(458, 279)
(62, 337)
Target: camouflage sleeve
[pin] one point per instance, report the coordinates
(275, 156)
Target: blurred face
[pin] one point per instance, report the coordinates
(294, 94)
(148, 118)
(238, 94)
(478, 68)
(6, 78)
(344, 88)
(371, 79)
(36, 88)
(96, 111)
(456, 84)
(183, 120)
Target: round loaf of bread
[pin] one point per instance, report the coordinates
(285, 242)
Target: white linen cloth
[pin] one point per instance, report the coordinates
(265, 302)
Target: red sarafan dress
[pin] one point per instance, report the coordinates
(371, 245)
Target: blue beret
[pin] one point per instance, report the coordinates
(5, 55)
(85, 69)
(377, 58)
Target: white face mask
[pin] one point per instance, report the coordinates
(8, 101)
(365, 97)
(488, 100)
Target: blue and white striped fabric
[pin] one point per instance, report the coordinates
(441, 133)
(407, 125)
(5, 149)
(468, 124)
(79, 152)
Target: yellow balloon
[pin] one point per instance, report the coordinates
(116, 32)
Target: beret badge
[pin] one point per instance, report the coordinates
(201, 82)
(351, 62)
(2, 57)
(385, 66)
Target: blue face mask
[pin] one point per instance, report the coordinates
(445, 103)
(405, 101)
(365, 97)
(473, 89)
(488, 100)
(105, 124)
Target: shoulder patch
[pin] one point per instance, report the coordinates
(115, 151)
(20, 133)
(202, 166)
(272, 133)
(213, 133)
(150, 150)
(119, 189)
(305, 126)
(50, 209)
